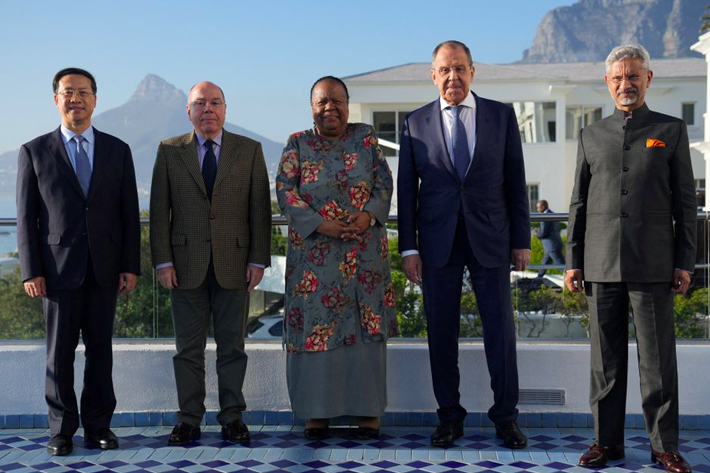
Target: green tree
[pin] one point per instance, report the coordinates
(705, 26)
(691, 314)
(20, 315)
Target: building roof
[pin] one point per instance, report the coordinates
(576, 71)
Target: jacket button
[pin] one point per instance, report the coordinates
(624, 215)
(626, 148)
(211, 217)
(624, 192)
(626, 169)
(623, 127)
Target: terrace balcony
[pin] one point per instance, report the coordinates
(554, 410)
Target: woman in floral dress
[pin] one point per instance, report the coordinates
(335, 188)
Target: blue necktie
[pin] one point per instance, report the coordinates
(462, 155)
(209, 168)
(83, 167)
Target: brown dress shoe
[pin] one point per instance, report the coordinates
(672, 462)
(597, 455)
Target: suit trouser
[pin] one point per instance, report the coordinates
(442, 304)
(89, 310)
(554, 256)
(652, 307)
(192, 309)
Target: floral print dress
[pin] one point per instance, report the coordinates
(337, 292)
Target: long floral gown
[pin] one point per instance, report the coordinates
(338, 293)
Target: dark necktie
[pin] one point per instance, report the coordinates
(459, 140)
(83, 167)
(209, 168)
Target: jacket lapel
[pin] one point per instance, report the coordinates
(191, 160)
(100, 161)
(228, 155)
(434, 122)
(483, 132)
(63, 162)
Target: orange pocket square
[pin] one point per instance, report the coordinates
(655, 144)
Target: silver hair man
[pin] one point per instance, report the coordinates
(628, 51)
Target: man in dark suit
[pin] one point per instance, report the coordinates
(78, 234)
(462, 202)
(549, 235)
(210, 236)
(631, 239)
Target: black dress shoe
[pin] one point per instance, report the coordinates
(102, 438)
(182, 434)
(316, 433)
(597, 455)
(446, 433)
(60, 445)
(367, 433)
(237, 432)
(511, 435)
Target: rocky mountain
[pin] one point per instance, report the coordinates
(155, 111)
(589, 29)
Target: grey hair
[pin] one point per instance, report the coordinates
(628, 51)
(452, 44)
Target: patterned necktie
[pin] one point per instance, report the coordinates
(459, 140)
(83, 167)
(209, 168)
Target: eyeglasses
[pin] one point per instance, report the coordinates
(203, 103)
(70, 93)
(445, 71)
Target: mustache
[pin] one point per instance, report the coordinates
(630, 90)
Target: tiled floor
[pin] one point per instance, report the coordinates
(282, 449)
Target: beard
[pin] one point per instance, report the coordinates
(628, 100)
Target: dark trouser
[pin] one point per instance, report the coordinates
(442, 303)
(192, 309)
(90, 309)
(652, 307)
(554, 256)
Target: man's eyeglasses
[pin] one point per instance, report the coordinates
(445, 71)
(70, 93)
(203, 103)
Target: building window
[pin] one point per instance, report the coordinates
(536, 121)
(689, 113)
(533, 196)
(579, 117)
(388, 126)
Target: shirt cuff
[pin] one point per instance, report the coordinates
(163, 265)
(409, 253)
(258, 265)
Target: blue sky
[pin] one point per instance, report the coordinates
(265, 54)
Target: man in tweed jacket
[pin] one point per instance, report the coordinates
(631, 241)
(210, 239)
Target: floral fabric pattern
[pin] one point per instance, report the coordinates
(336, 288)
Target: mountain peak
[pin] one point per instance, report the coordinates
(156, 89)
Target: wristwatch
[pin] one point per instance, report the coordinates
(373, 220)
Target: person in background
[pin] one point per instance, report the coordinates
(549, 235)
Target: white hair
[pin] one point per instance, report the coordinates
(628, 51)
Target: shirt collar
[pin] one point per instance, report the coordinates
(217, 139)
(69, 135)
(469, 102)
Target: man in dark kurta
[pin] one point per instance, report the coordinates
(631, 239)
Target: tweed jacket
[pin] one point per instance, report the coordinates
(187, 229)
(633, 210)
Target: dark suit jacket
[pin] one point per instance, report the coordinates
(633, 211)
(58, 228)
(549, 235)
(189, 230)
(492, 198)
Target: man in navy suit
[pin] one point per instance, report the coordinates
(549, 235)
(463, 203)
(78, 234)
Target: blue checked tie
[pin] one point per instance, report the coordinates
(83, 167)
(462, 155)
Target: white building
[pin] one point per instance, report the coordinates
(552, 102)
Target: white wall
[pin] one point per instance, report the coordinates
(143, 377)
